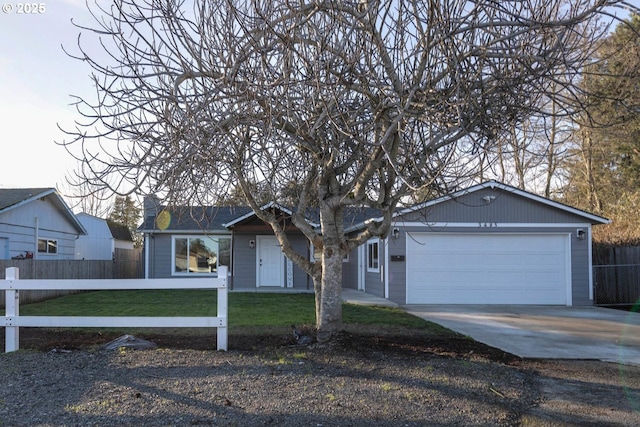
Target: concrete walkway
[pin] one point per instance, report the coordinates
(534, 332)
(352, 296)
(544, 332)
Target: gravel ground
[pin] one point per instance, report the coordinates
(359, 379)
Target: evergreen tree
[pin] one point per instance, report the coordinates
(127, 213)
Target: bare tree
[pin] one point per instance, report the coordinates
(357, 103)
(84, 196)
(604, 173)
(529, 155)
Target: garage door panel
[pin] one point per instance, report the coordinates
(501, 280)
(552, 260)
(461, 277)
(487, 269)
(509, 260)
(551, 297)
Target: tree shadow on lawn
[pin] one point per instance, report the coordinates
(266, 379)
(431, 371)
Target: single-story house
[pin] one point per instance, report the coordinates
(37, 223)
(102, 239)
(488, 244)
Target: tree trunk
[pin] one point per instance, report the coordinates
(328, 293)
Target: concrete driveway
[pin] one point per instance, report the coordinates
(544, 332)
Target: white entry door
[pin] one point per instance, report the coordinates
(269, 262)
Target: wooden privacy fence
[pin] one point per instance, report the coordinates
(615, 255)
(13, 321)
(616, 284)
(616, 274)
(121, 268)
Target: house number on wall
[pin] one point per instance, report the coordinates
(289, 273)
(487, 224)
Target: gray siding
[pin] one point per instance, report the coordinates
(159, 256)
(244, 262)
(300, 279)
(350, 271)
(580, 270)
(397, 269)
(505, 207)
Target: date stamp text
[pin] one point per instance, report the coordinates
(24, 8)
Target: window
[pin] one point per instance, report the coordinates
(47, 246)
(373, 256)
(200, 255)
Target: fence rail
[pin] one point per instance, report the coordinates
(13, 321)
(616, 284)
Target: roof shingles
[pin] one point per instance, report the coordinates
(12, 196)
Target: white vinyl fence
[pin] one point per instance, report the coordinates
(13, 321)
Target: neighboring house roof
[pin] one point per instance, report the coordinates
(11, 198)
(119, 231)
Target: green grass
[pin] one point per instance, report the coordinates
(247, 311)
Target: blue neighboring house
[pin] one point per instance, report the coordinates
(102, 239)
(37, 223)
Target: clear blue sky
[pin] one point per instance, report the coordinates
(36, 80)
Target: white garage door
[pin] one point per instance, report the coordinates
(487, 268)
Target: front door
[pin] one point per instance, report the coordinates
(270, 262)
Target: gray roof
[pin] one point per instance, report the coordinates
(196, 218)
(222, 218)
(11, 198)
(119, 231)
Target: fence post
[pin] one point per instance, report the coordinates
(222, 307)
(12, 304)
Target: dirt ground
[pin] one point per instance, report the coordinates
(360, 378)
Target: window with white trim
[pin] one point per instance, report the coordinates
(373, 256)
(47, 246)
(200, 254)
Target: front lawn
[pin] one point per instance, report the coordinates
(249, 312)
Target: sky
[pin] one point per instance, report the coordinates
(36, 80)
